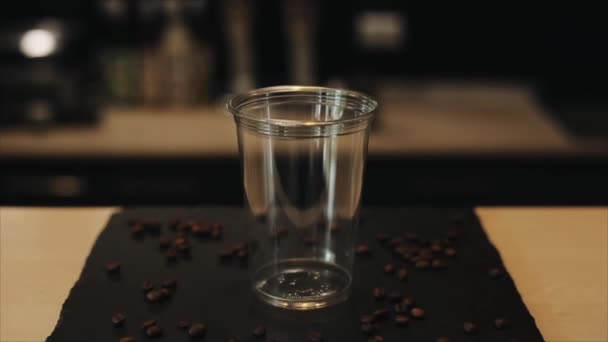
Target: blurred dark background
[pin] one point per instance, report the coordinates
(117, 101)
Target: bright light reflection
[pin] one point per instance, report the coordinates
(38, 43)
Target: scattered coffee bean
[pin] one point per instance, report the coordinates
(165, 293)
(169, 284)
(216, 230)
(439, 264)
(154, 296)
(436, 247)
(146, 286)
(408, 301)
(226, 253)
(376, 338)
(362, 250)
(422, 264)
(389, 268)
(239, 246)
(470, 328)
(379, 293)
(148, 323)
(402, 274)
(164, 242)
(259, 331)
(382, 314)
(369, 329)
(315, 336)
(502, 323)
(444, 339)
(183, 325)
(154, 331)
(394, 296)
(368, 319)
(171, 254)
(197, 330)
(127, 339)
(402, 320)
(113, 267)
(418, 313)
(242, 254)
(450, 251)
(382, 238)
(118, 319)
(496, 272)
(400, 308)
(137, 230)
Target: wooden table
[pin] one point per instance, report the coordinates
(557, 256)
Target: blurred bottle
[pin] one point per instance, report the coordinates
(238, 28)
(300, 26)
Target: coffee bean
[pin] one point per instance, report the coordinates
(164, 242)
(239, 246)
(154, 296)
(408, 301)
(169, 284)
(418, 313)
(379, 293)
(394, 296)
(402, 274)
(382, 237)
(127, 339)
(470, 328)
(422, 264)
(259, 331)
(400, 308)
(113, 267)
(183, 325)
(146, 286)
(368, 319)
(436, 247)
(362, 249)
(185, 227)
(369, 329)
(137, 230)
(226, 253)
(165, 293)
(382, 314)
(402, 320)
(376, 339)
(216, 230)
(197, 330)
(444, 339)
(148, 323)
(118, 319)
(171, 254)
(389, 268)
(200, 230)
(439, 264)
(154, 331)
(315, 336)
(450, 251)
(242, 254)
(496, 272)
(502, 323)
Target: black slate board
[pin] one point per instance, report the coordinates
(218, 295)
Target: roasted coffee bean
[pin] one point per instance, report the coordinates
(154, 296)
(127, 339)
(400, 308)
(444, 339)
(137, 230)
(259, 331)
(396, 241)
(369, 329)
(201, 230)
(154, 331)
(394, 296)
(402, 320)
(470, 328)
(382, 238)
(450, 251)
(368, 319)
(185, 227)
(496, 272)
(382, 314)
(436, 247)
(389, 268)
(113, 267)
(422, 264)
(197, 330)
(181, 241)
(183, 325)
(171, 254)
(164, 242)
(502, 323)
(402, 274)
(408, 301)
(401, 250)
(165, 293)
(362, 249)
(379, 293)
(148, 324)
(226, 253)
(376, 338)
(216, 231)
(118, 319)
(315, 336)
(242, 254)
(417, 313)
(146, 286)
(239, 246)
(439, 264)
(169, 284)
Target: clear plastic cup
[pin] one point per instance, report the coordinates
(302, 152)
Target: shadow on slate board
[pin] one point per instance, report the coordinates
(219, 294)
